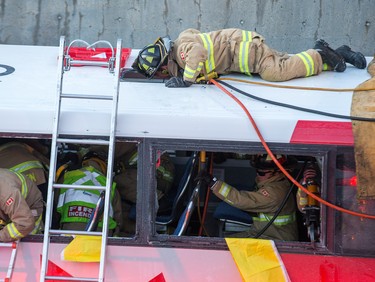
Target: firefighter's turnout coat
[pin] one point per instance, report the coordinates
(21, 206)
(234, 50)
(22, 158)
(264, 201)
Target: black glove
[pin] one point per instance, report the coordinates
(177, 82)
(206, 178)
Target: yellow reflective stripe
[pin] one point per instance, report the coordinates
(200, 66)
(224, 190)
(207, 43)
(37, 225)
(325, 66)
(308, 62)
(13, 231)
(243, 57)
(280, 220)
(188, 72)
(22, 167)
(24, 188)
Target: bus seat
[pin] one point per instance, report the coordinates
(231, 219)
(165, 219)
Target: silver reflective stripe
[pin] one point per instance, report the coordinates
(89, 176)
(74, 195)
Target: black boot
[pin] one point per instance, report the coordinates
(329, 56)
(355, 58)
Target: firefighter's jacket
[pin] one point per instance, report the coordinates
(21, 206)
(224, 51)
(22, 158)
(264, 201)
(77, 205)
(127, 179)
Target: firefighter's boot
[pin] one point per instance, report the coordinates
(333, 59)
(355, 58)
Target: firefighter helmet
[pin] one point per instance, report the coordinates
(151, 57)
(265, 162)
(91, 157)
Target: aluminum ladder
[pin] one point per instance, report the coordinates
(12, 260)
(64, 64)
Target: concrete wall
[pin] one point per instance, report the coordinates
(288, 25)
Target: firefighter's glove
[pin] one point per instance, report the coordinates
(177, 82)
(206, 178)
(309, 173)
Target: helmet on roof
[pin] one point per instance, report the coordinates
(265, 162)
(151, 57)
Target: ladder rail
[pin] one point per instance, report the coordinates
(53, 160)
(52, 186)
(12, 260)
(110, 161)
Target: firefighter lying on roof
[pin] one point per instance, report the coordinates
(21, 206)
(195, 56)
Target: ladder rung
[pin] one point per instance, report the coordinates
(13, 245)
(64, 278)
(72, 186)
(83, 141)
(86, 96)
(74, 232)
(89, 63)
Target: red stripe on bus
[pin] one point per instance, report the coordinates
(322, 132)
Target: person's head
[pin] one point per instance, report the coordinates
(93, 159)
(152, 57)
(266, 167)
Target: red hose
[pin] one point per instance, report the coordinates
(295, 182)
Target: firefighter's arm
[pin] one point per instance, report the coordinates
(259, 201)
(194, 57)
(21, 219)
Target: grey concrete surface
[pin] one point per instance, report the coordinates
(288, 25)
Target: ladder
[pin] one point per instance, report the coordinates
(12, 259)
(64, 64)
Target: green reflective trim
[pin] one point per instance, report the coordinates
(279, 221)
(207, 43)
(13, 231)
(37, 225)
(166, 174)
(188, 72)
(243, 56)
(24, 188)
(308, 62)
(22, 167)
(224, 190)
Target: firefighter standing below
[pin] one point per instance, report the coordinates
(21, 206)
(195, 55)
(271, 188)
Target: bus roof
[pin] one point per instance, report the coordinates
(149, 109)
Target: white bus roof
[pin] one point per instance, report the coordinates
(149, 109)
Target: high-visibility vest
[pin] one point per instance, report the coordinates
(77, 205)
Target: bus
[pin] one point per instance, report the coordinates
(220, 125)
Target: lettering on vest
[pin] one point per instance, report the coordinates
(80, 211)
